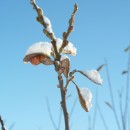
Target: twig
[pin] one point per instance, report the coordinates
(73, 107)
(63, 103)
(2, 124)
(40, 19)
(127, 94)
(89, 123)
(12, 126)
(100, 112)
(111, 95)
(95, 112)
(121, 111)
(50, 114)
(59, 123)
(69, 30)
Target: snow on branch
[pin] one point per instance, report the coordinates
(44, 21)
(69, 30)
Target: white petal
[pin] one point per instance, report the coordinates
(94, 76)
(40, 47)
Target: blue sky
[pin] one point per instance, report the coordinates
(102, 30)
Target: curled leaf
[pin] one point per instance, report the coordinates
(127, 49)
(38, 52)
(100, 67)
(108, 104)
(47, 61)
(124, 72)
(92, 75)
(65, 65)
(85, 97)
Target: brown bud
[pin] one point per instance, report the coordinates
(71, 28)
(64, 34)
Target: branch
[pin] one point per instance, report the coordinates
(111, 95)
(50, 114)
(102, 117)
(2, 124)
(95, 111)
(127, 94)
(47, 27)
(63, 103)
(69, 30)
(41, 19)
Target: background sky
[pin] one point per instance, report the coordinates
(102, 30)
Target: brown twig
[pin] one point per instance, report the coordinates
(41, 20)
(50, 35)
(69, 30)
(2, 124)
(63, 103)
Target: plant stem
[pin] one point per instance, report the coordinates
(111, 95)
(127, 94)
(63, 103)
(2, 124)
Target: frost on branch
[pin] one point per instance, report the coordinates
(85, 98)
(69, 49)
(38, 52)
(92, 75)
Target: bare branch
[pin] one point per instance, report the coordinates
(50, 114)
(2, 124)
(47, 27)
(69, 30)
(102, 117)
(111, 95)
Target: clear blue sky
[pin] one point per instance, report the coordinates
(102, 29)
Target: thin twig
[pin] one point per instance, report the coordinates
(127, 93)
(40, 19)
(50, 114)
(89, 123)
(59, 123)
(12, 126)
(73, 107)
(2, 124)
(102, 117)
(69, 30)
(111, 95)
(95, 112)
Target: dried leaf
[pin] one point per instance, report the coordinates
(92, 75)
(47, 61)
(65, 64)
(82, 101)
(108, 104)
(127, 49)
(100, 67)
(35, 58)
(124, 72)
